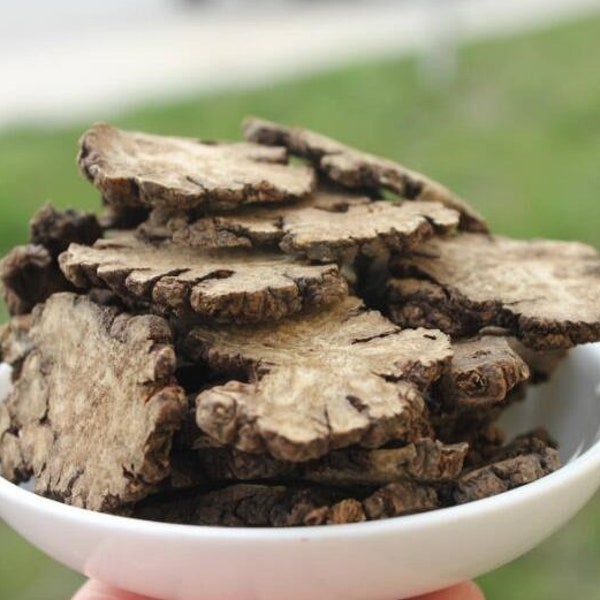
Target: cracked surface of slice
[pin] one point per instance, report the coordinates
(422, 460)
(132, 169)
(323, 227)
(66, 410)
(524, 463)
(359, 170)
(482, 373)
(317, 382)
(223, 286)
(544, 292)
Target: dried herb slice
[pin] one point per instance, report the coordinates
(317, 382)
(96, 404)
(133, 169)
(220, 286)
(543, 292)
(359, 170)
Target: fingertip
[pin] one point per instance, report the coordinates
(463, 591)
(95, 590)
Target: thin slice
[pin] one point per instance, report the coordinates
(323, 227)
(359, 170)
(422, 460)
(221, 286)
(247, 505)
(102, 388)
(544, 292)
(328, 380)
(133, 169)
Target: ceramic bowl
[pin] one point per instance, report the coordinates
(383, 560)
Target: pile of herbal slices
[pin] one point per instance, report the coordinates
(240, 340)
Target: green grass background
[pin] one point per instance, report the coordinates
(517, 133)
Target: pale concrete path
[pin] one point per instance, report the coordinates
(91, 72)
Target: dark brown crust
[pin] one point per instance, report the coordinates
(65, 413)
(222, 287)
(506, 474)
(543, 292)
(359, 170)
(317, 382)
(425, 460)
(401, 498)
(55, 230)
(133, 169)
(29, 276)
(324, 227)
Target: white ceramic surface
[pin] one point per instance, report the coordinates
(382, 560)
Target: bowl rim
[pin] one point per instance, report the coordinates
(586, 464)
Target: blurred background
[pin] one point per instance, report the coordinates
(500, 100)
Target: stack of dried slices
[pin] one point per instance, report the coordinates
(240, 340)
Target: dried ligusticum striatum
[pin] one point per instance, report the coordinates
(132, 169)
(317, 382)
(323, 227)
(224, 287)
(359, 170)
(95, 405)
(546, 293)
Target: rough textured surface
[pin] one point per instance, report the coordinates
(328, 380)
(254, 506)
(355, 169)
(401, 498)
(131, 168)
(223, 286)
(323, 227)
(527, 459)
(29, 276)
(544, 292)
(15, 343)
(102, 388)
(423, 460)
(482, 372)
(55, 230)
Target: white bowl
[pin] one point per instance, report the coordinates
(384, 560)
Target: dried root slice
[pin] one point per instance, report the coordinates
(401, 498)
(15, 343)
(29, 276)
(523, 462)
(223, 286)
(132, 169)
(423, 460)
(542, 364)
(545, 293)
(55, 230)
(317, 382)
(359, 170)
(103, 387)
(323, 227)
(482, 373)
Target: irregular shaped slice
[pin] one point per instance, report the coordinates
(254, 506)
(544, 292)
(103, 387)
(317, 382)
(324, 227)
(506, 474)
(221, 286)
(29, 275)
(422, 460)
(132, 169)
(400, 498)
(482, 373)
(359, 170)
(15, 343)
(55, 230)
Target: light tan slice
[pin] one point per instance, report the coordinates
(359, 170)
(132, 169)
(328, 380)
(221, 286)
